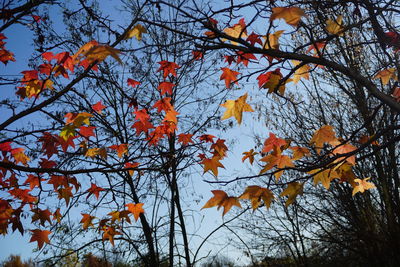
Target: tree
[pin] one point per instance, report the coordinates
(268, 58)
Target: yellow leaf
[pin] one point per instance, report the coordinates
(302, 72)
(272, 41)
(92, 152)
(237, 31)
(87, 220)
(136, 32)
(324, 177)
(335, 26)
(292, 15)
(362, 185)
(235, 108)
(292, 191)
(67, 132)
(256, 193)
(385, 75)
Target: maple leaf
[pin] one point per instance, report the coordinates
(165, 88)
(254, 38)
(129, 165)
(163, 104)
(301, 72)
(142, 127)
(33, 181)
(324, 176)
(19, 156)
(236, 31)
(168, 68)
(5, 147)
(40, 236)
(362, 185)
(197, 55)
(249, 155)
(325, 134)
(49, 144)
(244, 58)
(132, 82)
(91, 152)
(221, 199)
(292, 15)
(137, 32)
(235, 108)
(135, 209)
(271, 80)
(292, 191)
(207, 138)
(278, 160)
(95, 52)
(344, 149)
(229, 76)
(212, 165)
(220, 148)
(385, 75)
(273, 143)
(87, 220)
(335, 27)
(121, 149)
(109, 233)
(95, 190)
(98, 107)
(272, 40)
(42, 215)
(65, 193)
(141, 115)
(170, 116)
(185, 139)
(87, 131)
(119, 215)
(299, 152)
(57, 215)
(256, 193)
(317, 47)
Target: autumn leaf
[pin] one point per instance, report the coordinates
(362, 185)
(136, 32)
(249, 155)
(221, 199)
(219, 148)
(229, 76)
(207, 138)
(301, 72)
(42, 215)
(19, 156)
(119, 215)
(86, 220)
(165, 88)
(98, 107)
(131, 165)
(163, 104)
(40, 236)
(256, 193)
(254, 38)
(324, 176)
(121, 149)
(95, 190)
(87, 131)
(273, 143)
(271, 80)
(277, 160)
(185, 139)
(135, 209)
(235, 108)
(168, 68)
(299, 152)
(325, 134)
(336, 26)
(344, 149)
(96, 52)
(212, 164)
(109, 233)
(292, 191)
(236, 31)
(272, 40)
(385, 75)
(292, 15)
(132, 82)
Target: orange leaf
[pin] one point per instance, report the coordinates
(98, 107)
(229, 76)
(40, 237)
(292, 191)
(121, 149)
(325, 134)
(212, 165)
(249, 155)
(87, 220)
(95, 190)
(135, 209)
(256, 193)
(221, 199)
(168, 68)
(386, 74)
(273, 143)
(165, 88)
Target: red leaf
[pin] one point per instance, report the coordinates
(163, 104)
(168, 68)
(95, 190)
(254, 38)
(185, 138)
(5, 147)
(87, 131)
(98, 107)
(165, 88)
(197, 55)
(132, 83)
(141, 115)
(207, 138)
(229, 76)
